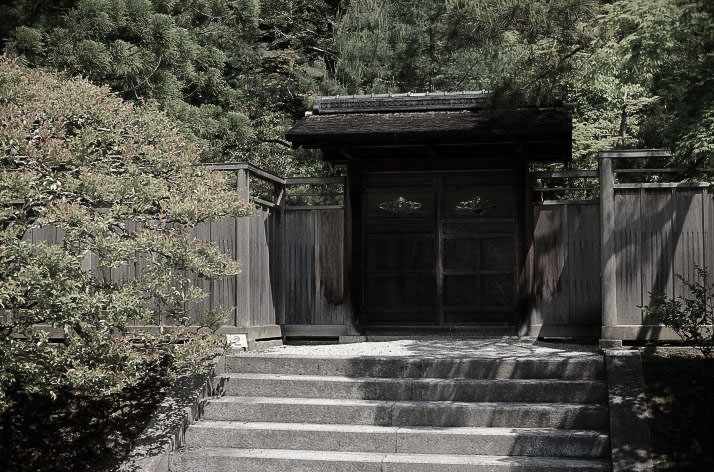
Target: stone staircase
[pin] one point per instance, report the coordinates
(403, 414)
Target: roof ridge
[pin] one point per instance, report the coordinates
(380, 103)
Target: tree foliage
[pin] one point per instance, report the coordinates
(646, 81)
(639, 72)
(173, 52)
(121, 186)
(512, 46)
(235, 73)
(238, 74)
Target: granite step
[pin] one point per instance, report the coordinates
(586, 367)
(391, 439)
(380, 388)
(408, 413)
(282, 460)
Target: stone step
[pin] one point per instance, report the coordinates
(280, 460)
(407, 413)
(581, 367)
(377, 388)
(390, 439)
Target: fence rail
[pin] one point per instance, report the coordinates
(271, 191)
(548, 187)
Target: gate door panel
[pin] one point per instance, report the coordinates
(399, 263)
(478, 248)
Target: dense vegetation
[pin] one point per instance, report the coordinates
(230, 76)
(238, 73)
(120, 185)
(166, 83)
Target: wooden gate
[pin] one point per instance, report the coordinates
(439, 248)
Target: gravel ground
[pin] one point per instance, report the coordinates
(495, 347)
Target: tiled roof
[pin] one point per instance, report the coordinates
(433, 119)
(551, 124)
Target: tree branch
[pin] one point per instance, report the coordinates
(277, 141)
(146, 79)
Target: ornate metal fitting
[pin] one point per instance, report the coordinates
(400, 206)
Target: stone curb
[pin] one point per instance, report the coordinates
(629, 431)
(166, 429)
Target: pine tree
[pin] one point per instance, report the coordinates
(169, 51)
(639, 72)
(512, 47)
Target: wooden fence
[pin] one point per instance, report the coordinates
(312, 273)
(250, 294)
(658, 230)
(291, 255)
(661, 231)
(295, 267)
(565, 293)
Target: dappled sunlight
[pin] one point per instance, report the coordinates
(407, 405)
(503, 348)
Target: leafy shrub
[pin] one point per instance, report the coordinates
(121, 186)
(690, 317)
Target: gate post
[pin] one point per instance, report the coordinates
(608, 261)
(242, 252)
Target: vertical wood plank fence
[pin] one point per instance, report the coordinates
(655, 231)
(294, 251)
(566, 282)
(661, 231)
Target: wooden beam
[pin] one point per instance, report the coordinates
(243, 184)
(663, 185)
(242, 254)
(641, 332)
(244, 167)
(565, 174)
(225, 165)
(647, 171)
(635, 153)
(315, 207)
(307, 330)
(279, 197)
(264, 202)
(314, 194)
(266, 175)
(594, 201)
(608, 262)
(314, 180)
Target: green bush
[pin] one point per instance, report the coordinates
(121, 186)
(690, 317)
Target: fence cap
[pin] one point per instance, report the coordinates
(634, 153)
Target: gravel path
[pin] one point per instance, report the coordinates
(494, 347)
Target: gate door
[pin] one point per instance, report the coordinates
(439, 248)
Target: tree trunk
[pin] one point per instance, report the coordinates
(623, 120)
